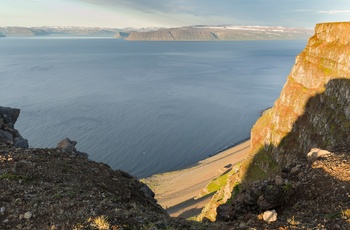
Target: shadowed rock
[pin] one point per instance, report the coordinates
(8, 134)
(9, 115)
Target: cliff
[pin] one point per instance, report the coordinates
(220, 33)
(313, 108)
(313, 111)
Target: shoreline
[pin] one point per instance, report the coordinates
(228, 147)
(176, 191)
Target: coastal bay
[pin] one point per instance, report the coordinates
(146, 108)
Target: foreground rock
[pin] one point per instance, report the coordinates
(270, 216)
(317, 196)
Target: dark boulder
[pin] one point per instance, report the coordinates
(147, 191)
(21, 143)
(9, 115)
(68, 146)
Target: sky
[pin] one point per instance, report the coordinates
(171, 13)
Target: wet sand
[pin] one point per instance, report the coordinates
(176, 191)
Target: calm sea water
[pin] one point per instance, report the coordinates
(144, 107)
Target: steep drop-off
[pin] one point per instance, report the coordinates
(313, 110)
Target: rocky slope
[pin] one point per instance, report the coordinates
(313, 111)
(220, 33)
(311, 194)
(61, 188)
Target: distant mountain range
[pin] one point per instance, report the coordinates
(57, 31)
(188, 33)
(221, 33)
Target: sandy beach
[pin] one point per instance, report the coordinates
(176, 191)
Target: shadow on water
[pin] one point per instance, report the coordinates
(325, 124)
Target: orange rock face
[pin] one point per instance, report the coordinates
(311, 111)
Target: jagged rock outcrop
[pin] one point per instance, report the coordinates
(68, 146)
(8, 134)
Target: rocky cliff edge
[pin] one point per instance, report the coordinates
(313, 111)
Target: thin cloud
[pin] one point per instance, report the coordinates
(147, 6)
(331, 12)
(334, 12)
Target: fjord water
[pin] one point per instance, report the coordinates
(144, 107)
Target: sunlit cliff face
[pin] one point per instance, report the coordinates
(313, 110)
(311, 96)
